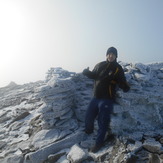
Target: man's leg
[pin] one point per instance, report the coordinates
(105, 110)
(91, 114)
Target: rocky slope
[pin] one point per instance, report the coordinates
(43, 122)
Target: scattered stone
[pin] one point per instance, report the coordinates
(77, 154)
(42, 154)
(38, 120)
(153, 146)
(55, 157)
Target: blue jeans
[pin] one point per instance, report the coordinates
(103, 109)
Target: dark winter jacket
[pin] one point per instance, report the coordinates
(107, 75)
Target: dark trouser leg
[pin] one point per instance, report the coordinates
(105, 110)
(91, 114)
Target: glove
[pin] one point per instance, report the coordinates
(86, 71)
(126, 87)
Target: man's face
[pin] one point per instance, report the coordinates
(111, 57)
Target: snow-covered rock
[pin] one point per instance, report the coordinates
(39, 120)
(77, 154)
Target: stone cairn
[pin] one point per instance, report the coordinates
(58, 97)
(141, 107)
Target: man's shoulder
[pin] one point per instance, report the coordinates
(117, 65)
(101, 63)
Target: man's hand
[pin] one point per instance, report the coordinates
(126, 87)
(86, 71)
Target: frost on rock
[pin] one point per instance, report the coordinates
(77, 154)
(38, 120)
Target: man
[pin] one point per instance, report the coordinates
(107, 76)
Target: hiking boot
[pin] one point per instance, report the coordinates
(88, 131)
(110, 138)
(96, 148)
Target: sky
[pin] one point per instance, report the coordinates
(36, 35)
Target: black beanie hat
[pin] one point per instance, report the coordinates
(112, 50)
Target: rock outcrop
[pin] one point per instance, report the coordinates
(43, 122)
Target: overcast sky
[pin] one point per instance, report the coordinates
(36, 35)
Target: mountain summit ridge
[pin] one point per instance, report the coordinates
(44, 121)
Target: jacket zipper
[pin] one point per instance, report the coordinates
(110, 91)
